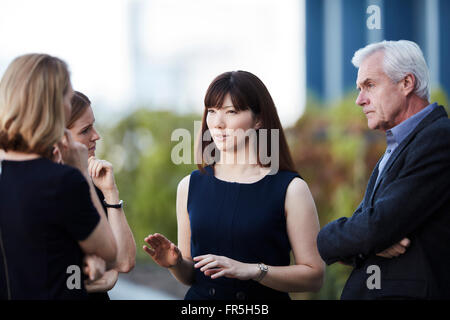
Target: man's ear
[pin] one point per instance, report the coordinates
(408, 84)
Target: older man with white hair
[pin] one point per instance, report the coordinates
(398, 238)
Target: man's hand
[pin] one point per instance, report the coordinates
(396, 250)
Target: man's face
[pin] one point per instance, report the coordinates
(382, 100)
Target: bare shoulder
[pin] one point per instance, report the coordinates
(297, 187)
(183, 186)
(299, 198)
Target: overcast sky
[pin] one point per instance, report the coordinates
(199, 39)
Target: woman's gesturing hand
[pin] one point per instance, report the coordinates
(219, 266)
(162, 250)
(101, 172)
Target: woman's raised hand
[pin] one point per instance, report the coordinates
(101, 172)
(162, 250)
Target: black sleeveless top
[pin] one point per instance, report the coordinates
(244, 222)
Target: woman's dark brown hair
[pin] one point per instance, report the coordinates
(79, 104)
(246, 91)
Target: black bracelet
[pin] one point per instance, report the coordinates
(116, 206)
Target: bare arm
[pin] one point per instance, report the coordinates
(302, 227)
(177, 259)
(102, 175)
(101, 242)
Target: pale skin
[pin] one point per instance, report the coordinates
(301, 219)
(102, 175)
(386, 104)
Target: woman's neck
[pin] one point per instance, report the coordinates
(17, 156)
(246, 173)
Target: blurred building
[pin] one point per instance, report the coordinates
(335, 29)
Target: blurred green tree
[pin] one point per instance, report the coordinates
(139, 147)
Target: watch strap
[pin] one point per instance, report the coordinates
(116, 206)
(263, 271)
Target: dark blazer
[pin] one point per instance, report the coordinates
(411, 199)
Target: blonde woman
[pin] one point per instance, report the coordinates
(50, 216)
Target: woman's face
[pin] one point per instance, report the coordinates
(83, 131)
(228, 125)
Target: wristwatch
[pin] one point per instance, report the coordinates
(263, 268)
(116, 206)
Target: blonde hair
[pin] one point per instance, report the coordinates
(32, 116)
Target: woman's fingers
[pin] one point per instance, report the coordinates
(161, 238)
(204, 261)
(150, 251)
(210, 265)
(217, 274)
(98, 168)
(153, 243)
(95, 168)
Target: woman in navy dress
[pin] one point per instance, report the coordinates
(246, 209)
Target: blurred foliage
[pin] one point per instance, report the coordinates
(332, 147)
(140, 147)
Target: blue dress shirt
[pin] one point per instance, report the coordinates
(398, 133)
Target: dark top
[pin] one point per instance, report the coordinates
(45, 209)
(411, 199)
(100, 295)
(244, 222)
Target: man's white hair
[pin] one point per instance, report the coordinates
(400, 58)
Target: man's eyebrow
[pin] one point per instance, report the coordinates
(364, 82)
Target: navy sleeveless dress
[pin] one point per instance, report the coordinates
(244, 222)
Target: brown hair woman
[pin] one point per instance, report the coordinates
(239, 220)
(51, 221)
(81, 126)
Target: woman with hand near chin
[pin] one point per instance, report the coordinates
(239, 221)
(81, 126)
(51, 220)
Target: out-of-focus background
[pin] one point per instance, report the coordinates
(146, 64)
